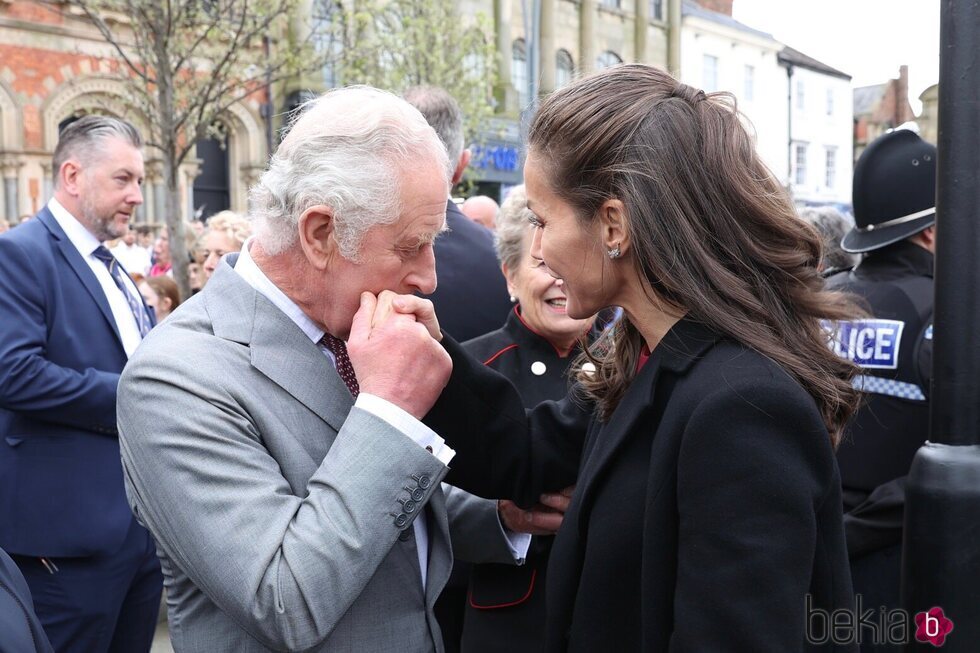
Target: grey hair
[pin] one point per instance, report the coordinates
(513, 224)
(78, 139)
(346, 149)
(831, 225)
(441, 111)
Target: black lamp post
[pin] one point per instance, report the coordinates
(941, 557)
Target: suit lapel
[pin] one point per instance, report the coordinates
(277, 347)
(80, 268)
(282, 352)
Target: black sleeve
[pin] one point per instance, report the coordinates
(876, 523)
(501, 450)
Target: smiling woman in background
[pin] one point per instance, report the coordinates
(504, 604)
(532, 348)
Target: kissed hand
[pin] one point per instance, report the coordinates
(394, 354)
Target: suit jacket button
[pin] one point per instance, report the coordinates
(401, 520)
(405, 535)
(425, 482)
(418, 494)
(409, 507)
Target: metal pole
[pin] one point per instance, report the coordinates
(941, 556)
(531, 10)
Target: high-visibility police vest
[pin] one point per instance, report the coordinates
(894, 350)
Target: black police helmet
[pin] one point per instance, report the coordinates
(894, 191)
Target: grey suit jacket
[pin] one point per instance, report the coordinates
(278, 509)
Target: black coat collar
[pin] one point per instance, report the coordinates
(683, 345)
(524, 336)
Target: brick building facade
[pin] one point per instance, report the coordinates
(55, 66)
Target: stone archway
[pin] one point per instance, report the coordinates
(246, 152)
(88, 95)
(11, 133)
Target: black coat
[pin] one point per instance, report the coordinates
(471, 294)
(706, 510)
(505, 604)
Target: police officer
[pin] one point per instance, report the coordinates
(894, 210)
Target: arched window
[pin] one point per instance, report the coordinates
(607, 59)
(518, 71)
(327, 25)
(564, 68)
(211, 186)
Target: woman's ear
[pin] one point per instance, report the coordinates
(316, 228)
(508, 275)
(613, 228)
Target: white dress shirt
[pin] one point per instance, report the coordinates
(390, 413)
(86, 243)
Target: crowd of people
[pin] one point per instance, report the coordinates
(642, 405)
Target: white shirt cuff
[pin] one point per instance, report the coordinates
(519, 543)
(421, 434)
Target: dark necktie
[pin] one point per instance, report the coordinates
(344, 368)
(135, 305)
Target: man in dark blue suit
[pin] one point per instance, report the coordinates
(71, 319)
(471, 295)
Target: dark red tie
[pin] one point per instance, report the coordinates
(346, 371)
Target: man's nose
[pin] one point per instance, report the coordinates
(136, 196)
(423, 277)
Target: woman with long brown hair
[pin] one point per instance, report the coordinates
(707, 511)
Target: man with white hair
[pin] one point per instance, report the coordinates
(296, 501)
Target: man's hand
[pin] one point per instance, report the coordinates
(422, 309)
(543, 519)
(395, 357)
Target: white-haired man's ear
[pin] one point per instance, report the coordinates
(464, 160)
(316, 228)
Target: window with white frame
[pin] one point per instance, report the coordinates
(611, 4)
(830, 101)
(799, 164)
(564, 68)
(656, 9)
(326, 16)
(606, 59)
(749, 92)
(709, 73)
(800, 95)
(518, 71)
(831, 167)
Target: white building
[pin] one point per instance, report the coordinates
(718, 53)
(821, 128)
